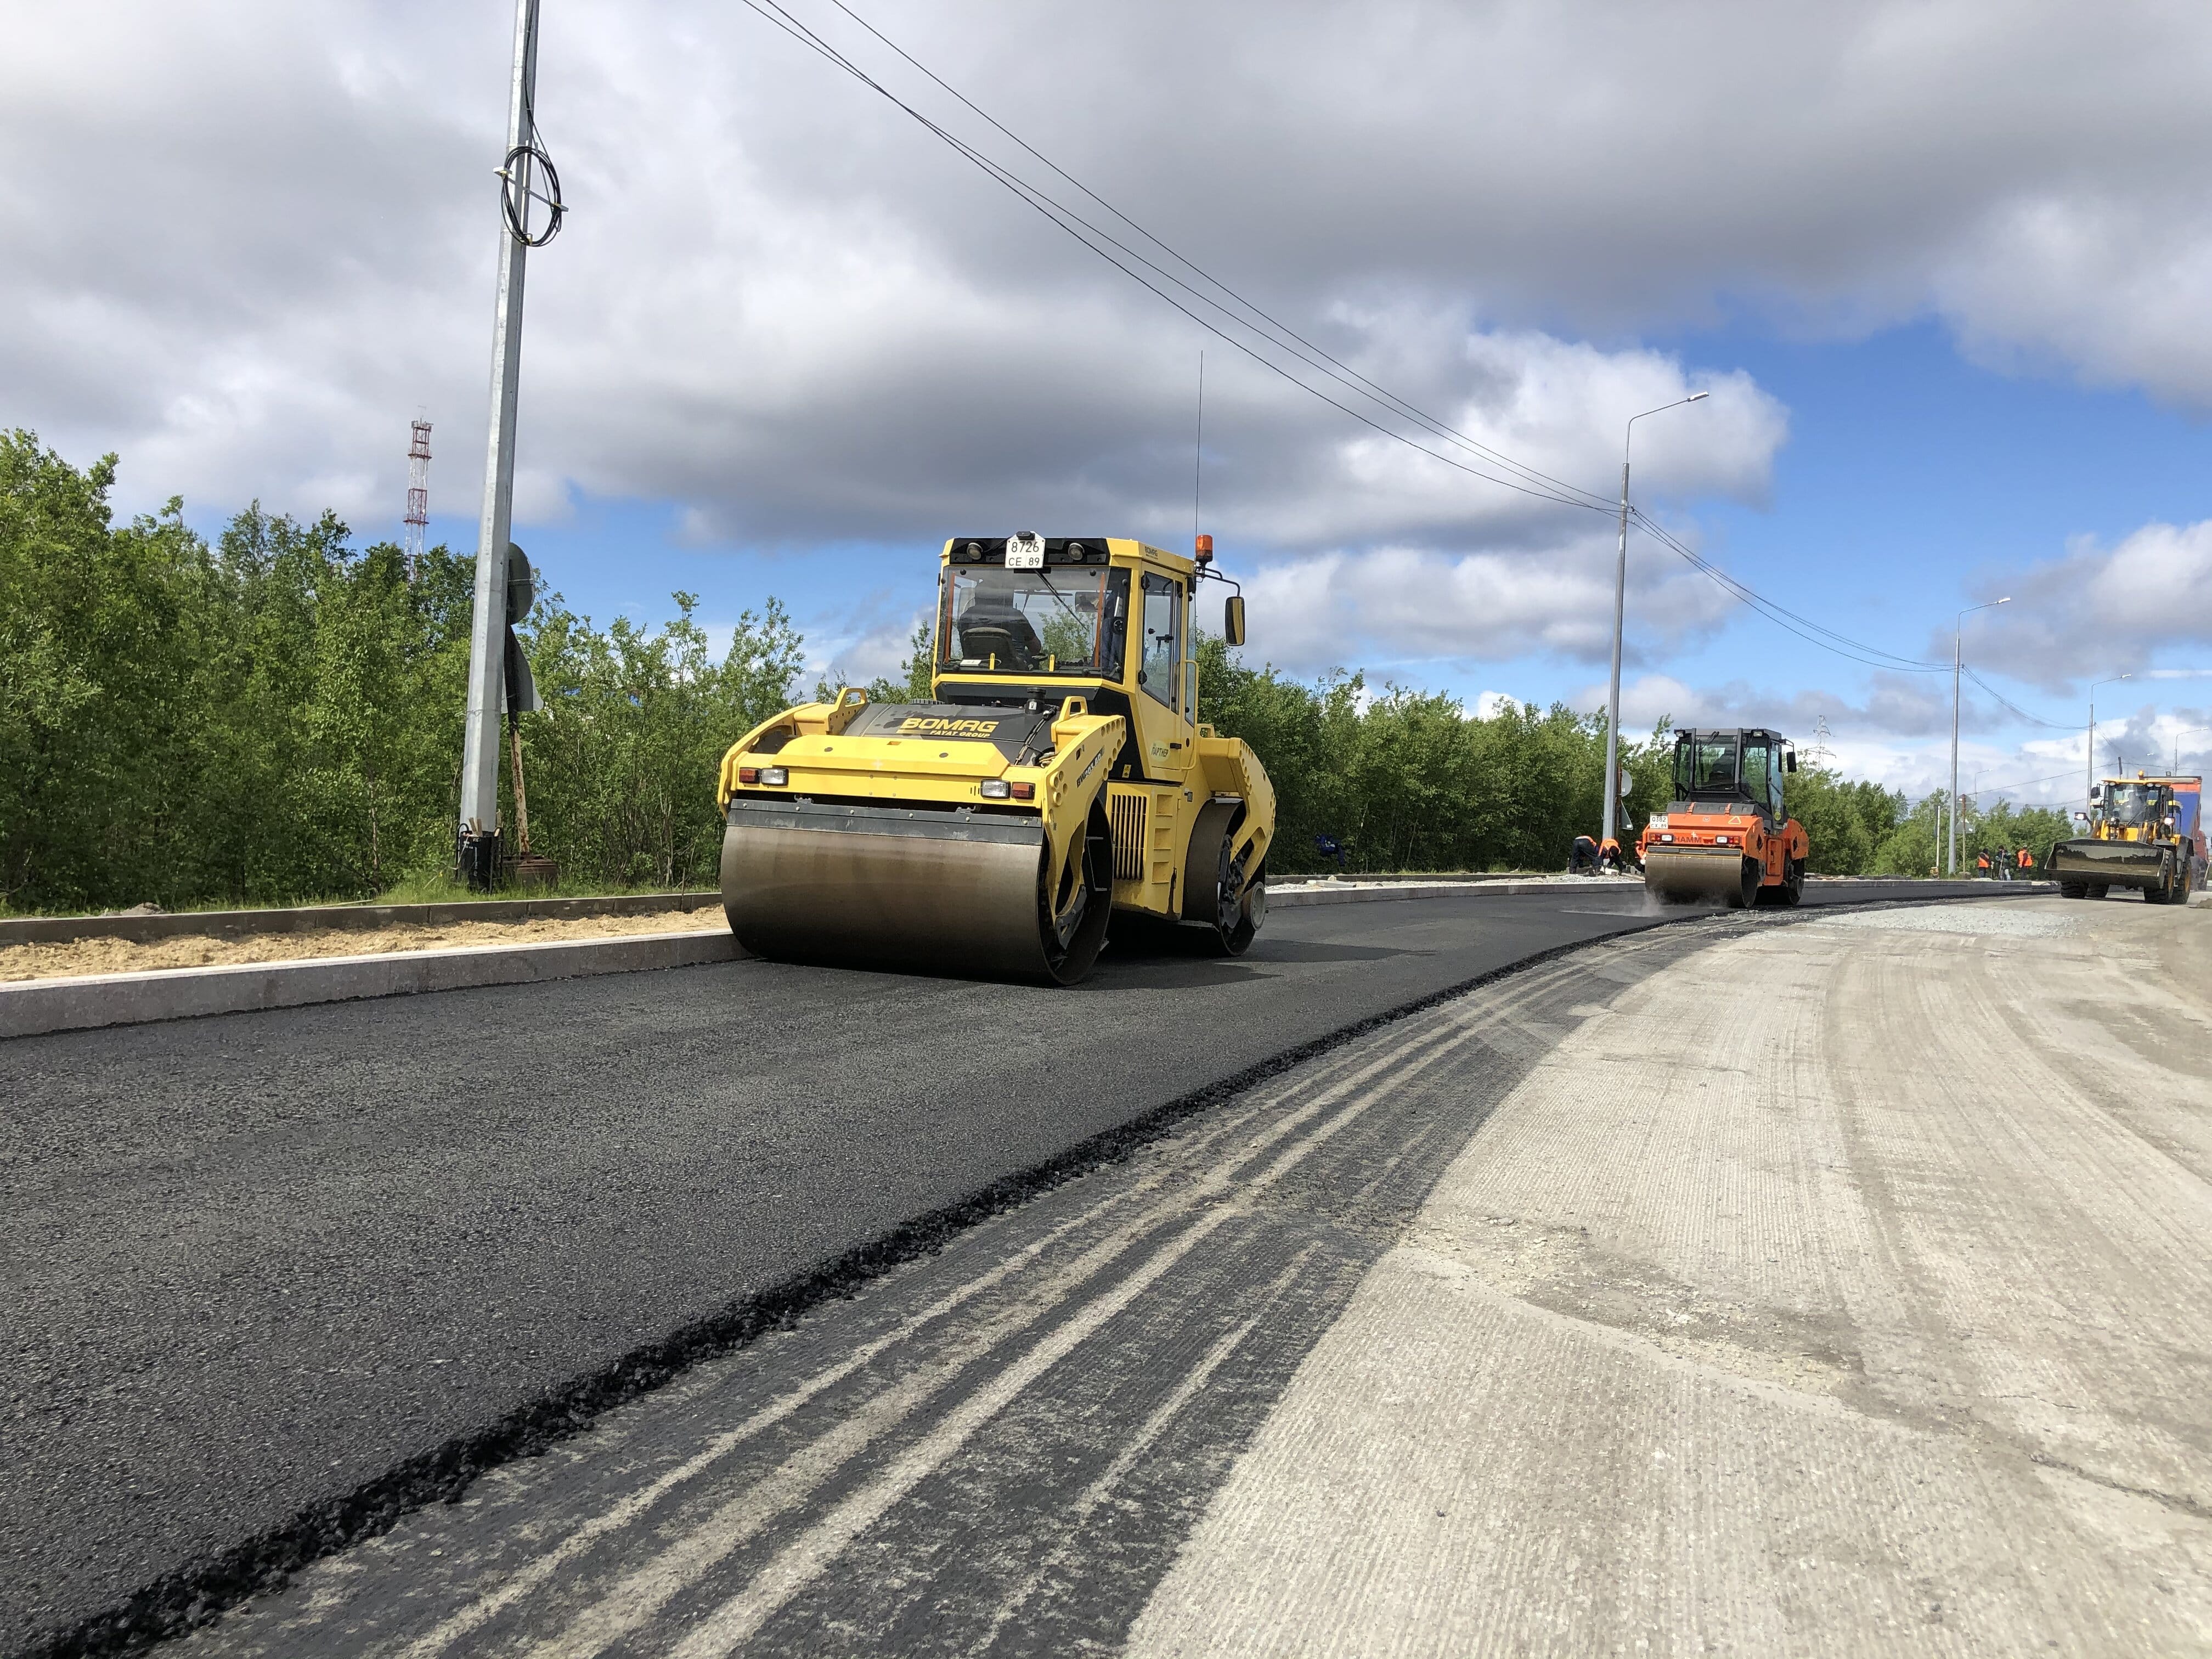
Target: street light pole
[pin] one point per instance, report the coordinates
(1957, 624)
(2193, 731)
(1619, 609)
(2089, 768)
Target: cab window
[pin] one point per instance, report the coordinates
(1159, 665)
(1758, 773)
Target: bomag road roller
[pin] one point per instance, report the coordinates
(1058, 779)
(2143, 832)
(1725, 838)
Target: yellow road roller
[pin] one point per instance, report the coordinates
(1057, 782)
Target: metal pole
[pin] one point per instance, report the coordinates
(479, 814)
(1613, 698)
(1952, 868)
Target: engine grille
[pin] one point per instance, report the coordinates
(1129, 814)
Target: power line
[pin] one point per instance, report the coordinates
(1805, 628)
(2029, 783)
(1268, 321)
(2032, 719)
(1099, 241)
(1529, 481)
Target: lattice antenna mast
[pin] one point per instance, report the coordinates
(1820, 753)
(418, 495)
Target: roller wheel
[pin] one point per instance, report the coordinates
(1746, 893)
(1785, 893)
(1073, 920)
(2074, 889)
(1239, 905)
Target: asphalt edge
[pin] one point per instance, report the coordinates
(188, 1598)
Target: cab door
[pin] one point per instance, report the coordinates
(1151, 807)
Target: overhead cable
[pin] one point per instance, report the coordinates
(1265, 322)
(1805, 628)
(2032, 719)
(1106, 247)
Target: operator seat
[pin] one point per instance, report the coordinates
(989, 630)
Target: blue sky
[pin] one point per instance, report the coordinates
(1912, 481)
(1943, 269)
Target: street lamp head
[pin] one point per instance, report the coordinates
(1696, 397)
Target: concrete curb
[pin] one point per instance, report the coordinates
(344, 918)
(31, 1007)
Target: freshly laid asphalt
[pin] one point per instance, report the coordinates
(249, 1264)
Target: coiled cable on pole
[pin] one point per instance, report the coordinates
(521, 189)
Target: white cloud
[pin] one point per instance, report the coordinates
(246, 245)
(2101, 611)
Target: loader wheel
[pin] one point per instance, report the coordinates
(2073, 889)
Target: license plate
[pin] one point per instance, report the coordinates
(1025, 552)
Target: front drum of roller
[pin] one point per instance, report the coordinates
(1676, 877)
(868, 886)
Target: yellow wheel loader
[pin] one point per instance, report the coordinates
(2142, 832)
(1058, 779)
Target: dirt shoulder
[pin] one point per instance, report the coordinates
(110, 956)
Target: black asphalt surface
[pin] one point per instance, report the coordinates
(252, 1263)
(996, 1451)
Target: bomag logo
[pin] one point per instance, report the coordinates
(932, 725)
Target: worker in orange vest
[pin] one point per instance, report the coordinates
(2026, 860)
(1982, 863)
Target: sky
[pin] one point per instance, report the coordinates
(1942, 268)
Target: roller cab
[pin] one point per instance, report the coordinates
(1726, 837)
(1056, 777)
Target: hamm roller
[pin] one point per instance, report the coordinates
(1725, 838)
(1056, 778)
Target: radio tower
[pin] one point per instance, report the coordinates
(418, 494)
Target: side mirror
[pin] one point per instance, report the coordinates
(1233, 619)
(2096, 791)
(1790, 759)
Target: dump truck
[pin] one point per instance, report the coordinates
(2142, 832)
(1057, 783)
(1725, 837)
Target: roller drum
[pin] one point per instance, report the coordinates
(900, 887)
(1675, 877)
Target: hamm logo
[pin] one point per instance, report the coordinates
(932, 725)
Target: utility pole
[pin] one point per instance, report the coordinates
(1611, 831)
(528, 181)
(1957, 624)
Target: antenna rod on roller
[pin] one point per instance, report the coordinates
(1198, 454)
